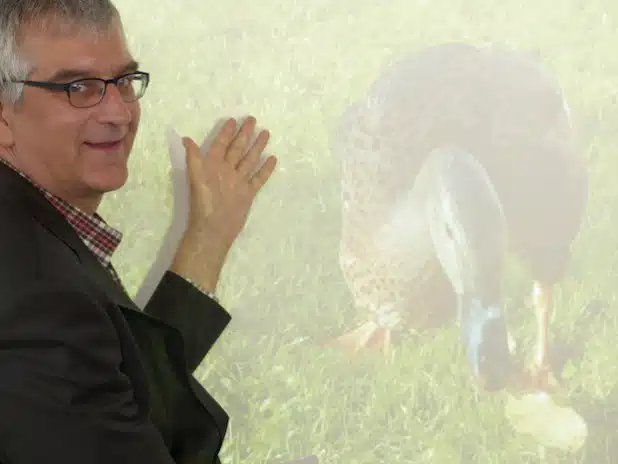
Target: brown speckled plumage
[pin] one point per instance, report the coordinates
(501, 106)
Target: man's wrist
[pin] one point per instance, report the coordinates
(199, 261)
(205, 290)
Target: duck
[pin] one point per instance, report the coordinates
(459, 157)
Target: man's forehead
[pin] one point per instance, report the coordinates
(78, 51)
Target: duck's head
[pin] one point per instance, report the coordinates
(468, 230)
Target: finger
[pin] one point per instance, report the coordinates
(238, 146)
(222, 141)
(263, 174)
(250, 160)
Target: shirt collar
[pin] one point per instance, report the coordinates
(97, 235)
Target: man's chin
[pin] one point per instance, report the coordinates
(109, 179)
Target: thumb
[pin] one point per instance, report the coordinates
(199, 193)
(194, 161)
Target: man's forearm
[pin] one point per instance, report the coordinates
(200, 260)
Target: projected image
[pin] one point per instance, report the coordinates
(428, 276)
(456, 156)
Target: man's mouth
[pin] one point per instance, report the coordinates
(107, 146)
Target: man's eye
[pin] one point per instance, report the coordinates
(86, 87)
(79, 87)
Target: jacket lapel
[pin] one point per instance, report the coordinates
(15, 188)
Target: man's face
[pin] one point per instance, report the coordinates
(52, 141)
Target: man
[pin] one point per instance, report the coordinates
(86, 377)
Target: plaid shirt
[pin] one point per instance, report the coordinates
(97, 235)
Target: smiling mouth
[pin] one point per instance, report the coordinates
(105, 145)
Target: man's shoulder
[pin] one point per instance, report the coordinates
(18, 239)
(26, 256)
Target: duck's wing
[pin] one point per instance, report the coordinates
(534, 161)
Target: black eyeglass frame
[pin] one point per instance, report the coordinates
(66, 87)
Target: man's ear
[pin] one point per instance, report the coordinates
(6, 133)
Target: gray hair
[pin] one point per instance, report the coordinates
(94, 16)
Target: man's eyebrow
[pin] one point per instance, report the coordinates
(70, 74)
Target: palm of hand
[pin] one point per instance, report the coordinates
(224, 183)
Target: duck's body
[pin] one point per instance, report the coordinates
(495, 105)
(379, 258)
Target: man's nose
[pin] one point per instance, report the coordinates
(112, 108)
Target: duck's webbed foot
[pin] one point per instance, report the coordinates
(372, 335)
(540, 377)
(367, 336)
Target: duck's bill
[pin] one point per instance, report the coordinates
(486, 342)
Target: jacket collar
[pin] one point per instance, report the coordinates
(15, 189)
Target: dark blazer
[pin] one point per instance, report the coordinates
(85, 376)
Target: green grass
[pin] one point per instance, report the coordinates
(296, 67)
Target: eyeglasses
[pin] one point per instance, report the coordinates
(84, 93)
